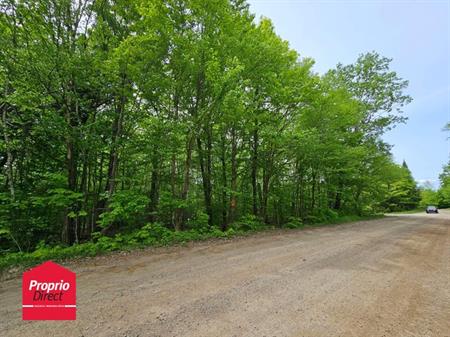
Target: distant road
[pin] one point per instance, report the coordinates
(387, 277)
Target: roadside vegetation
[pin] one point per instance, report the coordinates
(150, 122)
(153, 235)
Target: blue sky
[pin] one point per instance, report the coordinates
(416, 34)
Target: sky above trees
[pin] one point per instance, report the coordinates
(416, 34)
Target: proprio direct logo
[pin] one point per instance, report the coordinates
(49, 293)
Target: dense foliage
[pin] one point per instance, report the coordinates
(187, 115)
(441, 197)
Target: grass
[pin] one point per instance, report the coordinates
(346, 219)
(151, 235)
(411, 211)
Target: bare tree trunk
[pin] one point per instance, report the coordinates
(9, 156)
(338, 197)
(154, 188)
(114, 153)
(113, 165)
(313, 192)
(224, 184)
(205, 169)
(98, 204)
(173, 175)
(267, 176)
(208, 177)
(265, 193)
(233, 201)
(296, 197)
(302, 197)
(254, 174)
(179, 211)
(173, 161)
(68, 235)
(84, 189)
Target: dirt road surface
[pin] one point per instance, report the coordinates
(386, 277)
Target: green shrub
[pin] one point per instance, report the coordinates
(124, 206)
(328, 215)
(216, 232)
(152, 234)
(312, 219)
(106, 243)
(230, 232)
(293, 223)
(248, 223)
(323, 216)
(198, 221)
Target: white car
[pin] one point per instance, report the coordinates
(432, 209)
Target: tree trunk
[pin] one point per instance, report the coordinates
(296, 198)
(69, 235)
(267, 176)
(224, 183)
(113, 165)
(338, 197)
(254, 173)
(206, 176)
(233, 200)
(84, 189)
(265, 194)
(302, 203)
(154, 189)
(114, 153)
(179, 211)
(9, 156)
(313, 191)
(337, 201)
(98, 202)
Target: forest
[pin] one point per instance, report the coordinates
(145, 121)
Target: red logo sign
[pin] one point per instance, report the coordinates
(49, 293)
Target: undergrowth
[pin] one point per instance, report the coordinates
(154, 234)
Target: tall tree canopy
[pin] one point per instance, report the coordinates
(189, 113)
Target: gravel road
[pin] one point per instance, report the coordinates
(386, 277)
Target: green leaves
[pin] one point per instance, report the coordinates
(443, 193)
(402, 190)
(123, 205)
(185, 113)
(73, 214)
(57, 197)
(378, 89)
